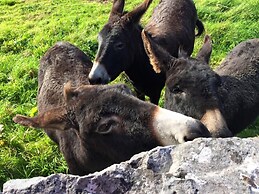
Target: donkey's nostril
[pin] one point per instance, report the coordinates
(190, 138)
(98, 75)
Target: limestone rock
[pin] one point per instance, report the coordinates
(222, 165)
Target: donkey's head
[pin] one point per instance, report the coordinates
(118, 41)
(112, 125)
(191, 85)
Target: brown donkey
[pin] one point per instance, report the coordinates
(96, 126)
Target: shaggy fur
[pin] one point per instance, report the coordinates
(96, 126)
(121, 49)
(225, 100)
(172, 25)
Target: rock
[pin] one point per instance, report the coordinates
(222, 165)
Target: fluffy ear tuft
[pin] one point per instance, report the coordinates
(205, 51)
(70, 92)
(149, 50)
(159, 58)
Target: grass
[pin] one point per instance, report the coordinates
(28, 28)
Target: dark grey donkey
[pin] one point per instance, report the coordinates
(121, 47)
(97, 126)
(225, 100)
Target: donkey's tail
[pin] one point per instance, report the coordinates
(200, 27)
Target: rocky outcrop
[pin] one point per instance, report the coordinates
(229, 165)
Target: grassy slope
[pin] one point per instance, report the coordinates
(28, 28)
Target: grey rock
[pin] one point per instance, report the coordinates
(222, 165)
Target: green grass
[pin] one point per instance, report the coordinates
(28, 28)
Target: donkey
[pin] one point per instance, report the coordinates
(121, 47)
(96, 126)
(173, 25)
(225, 100)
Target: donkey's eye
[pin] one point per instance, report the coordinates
(104, 128)
(108, 125)
(176, 89)
(119, 45)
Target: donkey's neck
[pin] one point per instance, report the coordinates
(140, 65)
(140, 69)
(140, 72)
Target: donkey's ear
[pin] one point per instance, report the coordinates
(135, 15)
(159, 58)
(205, 51)
(117, 8)
(54, 118)
(70, 93)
